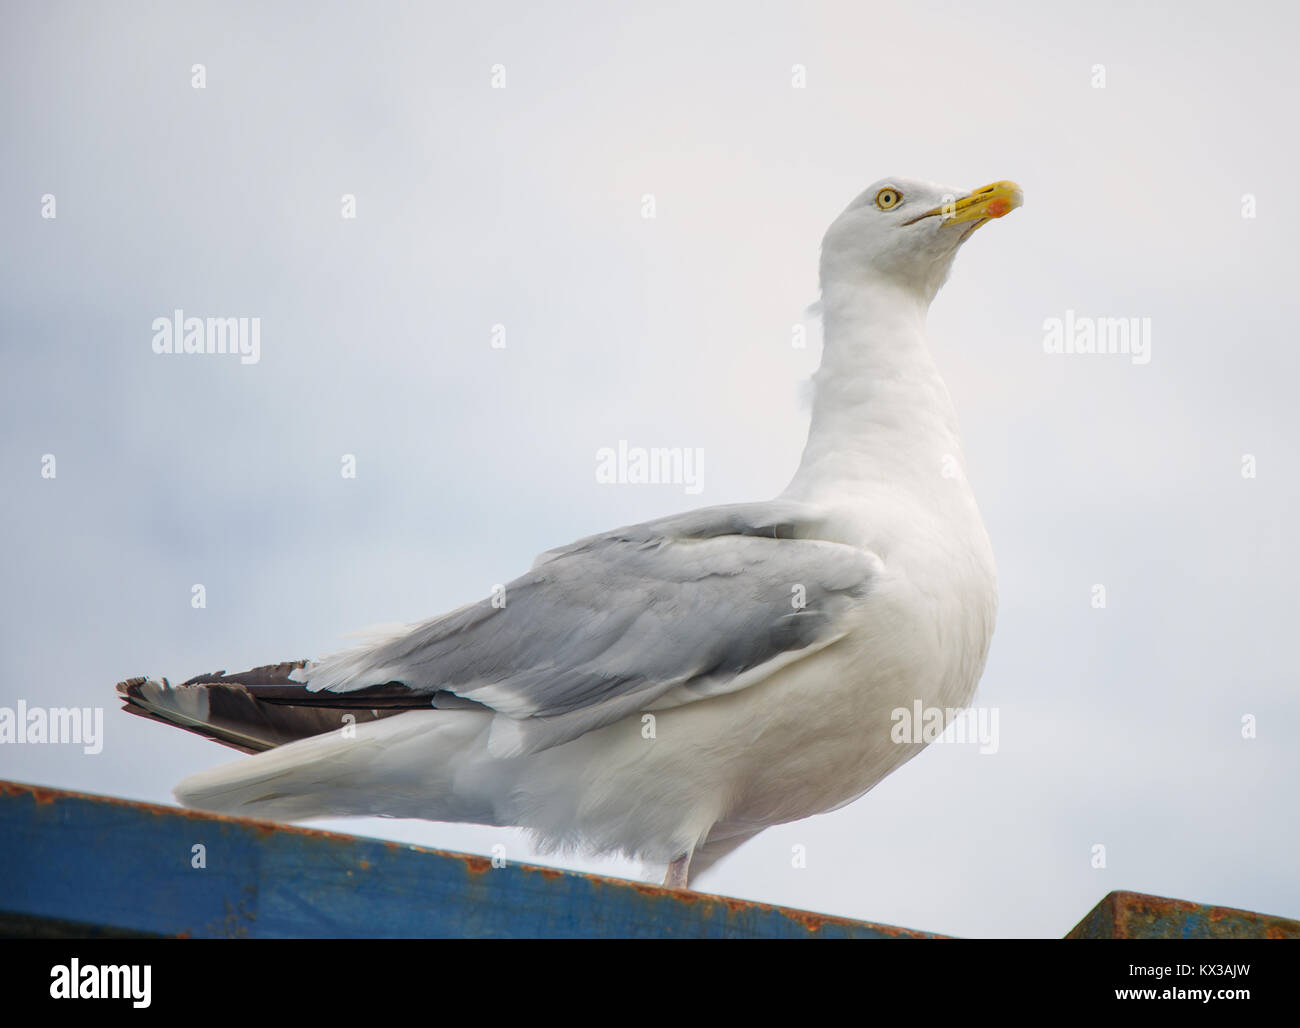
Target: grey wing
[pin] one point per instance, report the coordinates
(697, 604)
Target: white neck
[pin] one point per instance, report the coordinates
(882, 417)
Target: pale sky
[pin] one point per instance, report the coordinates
(522, 206)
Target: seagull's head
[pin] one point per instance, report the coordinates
(906, 232)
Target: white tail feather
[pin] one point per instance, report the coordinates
(405, 766)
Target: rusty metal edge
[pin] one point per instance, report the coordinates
(1137, 915)
(810, 920)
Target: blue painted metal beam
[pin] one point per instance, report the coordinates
(74, 864)
(78, 865)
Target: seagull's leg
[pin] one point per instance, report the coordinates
(679, 872)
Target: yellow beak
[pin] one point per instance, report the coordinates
(991, 201)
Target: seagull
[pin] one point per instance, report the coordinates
(668, 690)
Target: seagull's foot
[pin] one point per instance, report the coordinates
(679, 872)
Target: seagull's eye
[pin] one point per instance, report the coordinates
(888, 198)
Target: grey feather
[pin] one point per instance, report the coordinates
(606, 626)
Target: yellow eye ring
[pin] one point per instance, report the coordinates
(888, 198)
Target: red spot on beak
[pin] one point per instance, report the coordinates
(999, 207)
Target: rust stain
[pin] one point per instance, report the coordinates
(646, 889)
(1159, 903)
(810, 921)
(476, 865)
(41, 795)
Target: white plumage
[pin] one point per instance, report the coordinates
(764, 711)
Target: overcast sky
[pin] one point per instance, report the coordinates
(523, 206)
